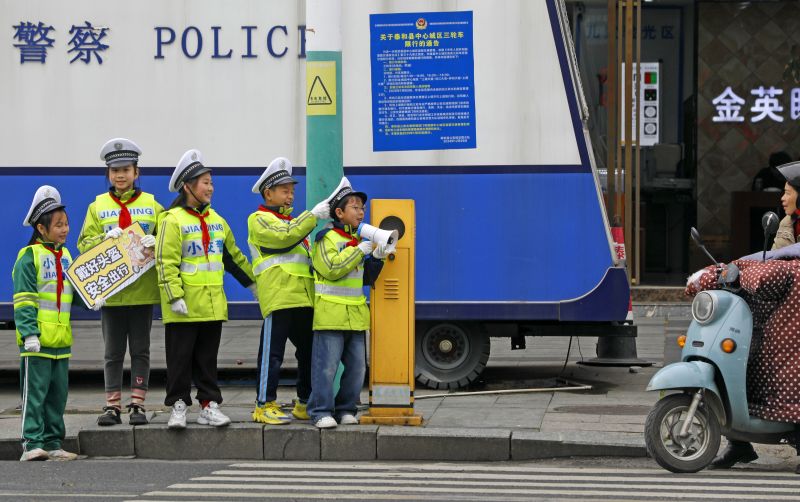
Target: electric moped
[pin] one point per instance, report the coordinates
(682, 431)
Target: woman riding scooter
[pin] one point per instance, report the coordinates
(788, 234)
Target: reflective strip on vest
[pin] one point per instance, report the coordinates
(280, 259)
(355, 274)
(191, 268)
(327, 289)
(48, 305)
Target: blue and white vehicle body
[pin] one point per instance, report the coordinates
(510, 232)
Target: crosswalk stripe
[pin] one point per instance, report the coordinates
(359, 492)
(439, 467)
(439, 482)
(254, 475)
(250, 481)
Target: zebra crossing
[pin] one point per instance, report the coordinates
(465, 482)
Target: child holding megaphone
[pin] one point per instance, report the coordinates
(341, 315)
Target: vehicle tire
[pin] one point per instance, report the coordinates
(450, 355)
(662, 427)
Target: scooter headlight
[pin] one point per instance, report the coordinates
(703, 307)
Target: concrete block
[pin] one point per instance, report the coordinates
(196, 442)
(414, 443)
(11, 449)
(291, 442)
(114, 441)
(349, 442)
(527, 445)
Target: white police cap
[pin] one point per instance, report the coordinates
(120, 152)
(45, 199)
(279, 172)
(342, 191)
(189, 167)
(791, 172)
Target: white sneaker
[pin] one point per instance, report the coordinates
(34, 454)
(212, 416)
(177, 419)
(326, 423)
(61, 455)
(348, 419)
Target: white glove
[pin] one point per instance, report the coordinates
(148, 241)
(98, 304)
(322, 210)
(32, 344)
(114, 233)
(253, 289)
(366, 247)
(179, 307)
(380, 252)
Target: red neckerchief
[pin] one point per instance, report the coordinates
(796, 221)
(124, 214)
(265, 209)
(354, 240)
(203, 228)
(59, 273)
(284, 217)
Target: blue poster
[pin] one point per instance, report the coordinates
(423, 81)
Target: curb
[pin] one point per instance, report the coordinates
(250, 441)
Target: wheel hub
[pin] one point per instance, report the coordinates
(445, 347)
(693, 443)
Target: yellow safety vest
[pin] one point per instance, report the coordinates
(271, 267)
(201, 275)
(143, 210)
(55, 331)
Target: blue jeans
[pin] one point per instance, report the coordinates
(329, 348)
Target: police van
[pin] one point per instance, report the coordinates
(473, 109)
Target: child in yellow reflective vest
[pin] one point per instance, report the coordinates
(126, 318)
(341, 315)
(194, 249)
(282, 266)
(42, 305)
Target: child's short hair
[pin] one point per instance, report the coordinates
(341, 205)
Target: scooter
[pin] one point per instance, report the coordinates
(683, 430)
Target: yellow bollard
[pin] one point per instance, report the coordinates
(391, 371)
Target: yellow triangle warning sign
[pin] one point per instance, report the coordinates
(318, 95)
(320, 88)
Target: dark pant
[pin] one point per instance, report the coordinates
(295, 325)
(127, 327)
(191, 349)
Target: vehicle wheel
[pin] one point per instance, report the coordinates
(450, 355)
(662, 435)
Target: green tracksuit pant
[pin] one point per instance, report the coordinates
(43, 384)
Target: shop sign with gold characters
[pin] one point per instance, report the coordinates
(111, 266)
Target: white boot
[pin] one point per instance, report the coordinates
(177, 419)
(212, 416)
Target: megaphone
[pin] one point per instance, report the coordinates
(380, 236)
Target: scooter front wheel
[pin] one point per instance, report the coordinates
(674, 452)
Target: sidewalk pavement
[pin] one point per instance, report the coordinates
(607, 419)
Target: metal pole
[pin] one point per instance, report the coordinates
(636, 244)
(628, 120)
(620, 109)
(612, 93)
(324, 157)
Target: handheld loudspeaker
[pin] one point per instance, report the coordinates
(379, 236)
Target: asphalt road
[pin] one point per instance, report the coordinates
(567, 479)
